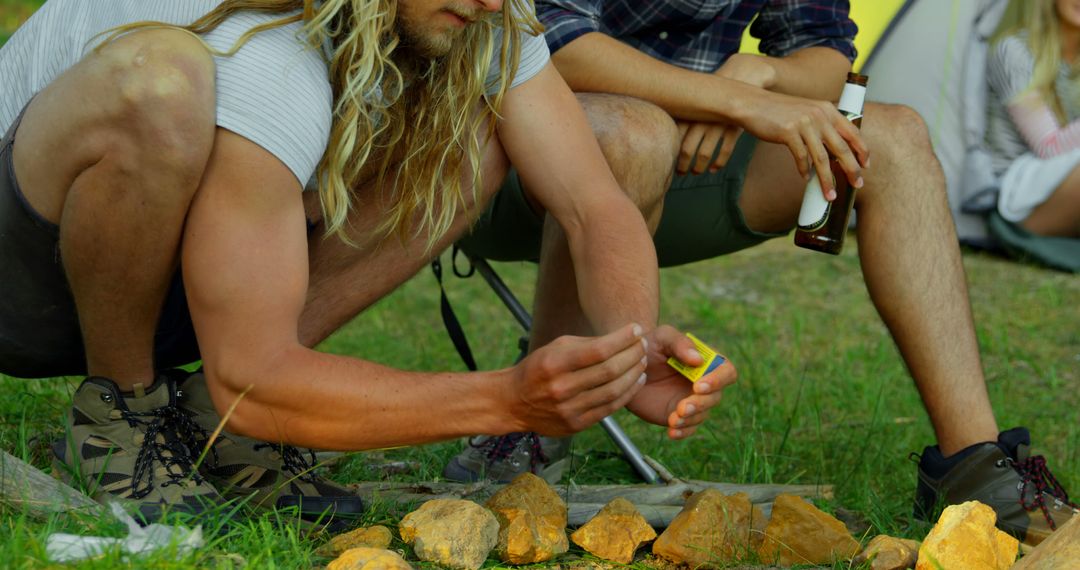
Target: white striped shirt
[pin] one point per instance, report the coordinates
(274, 91)
(1019, 119)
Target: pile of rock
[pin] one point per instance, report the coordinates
(525, 523)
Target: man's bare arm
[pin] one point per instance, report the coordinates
(546, 134)
(596, 62)
(811, 129)
(548, 139)
(246, 271)
(814, 72)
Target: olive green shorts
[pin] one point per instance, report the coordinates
(701, 218)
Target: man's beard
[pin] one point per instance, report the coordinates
(425, 45)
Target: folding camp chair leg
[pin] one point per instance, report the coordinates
(630, 451)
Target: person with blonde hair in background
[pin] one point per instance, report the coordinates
(153, 213)
(1033, 128)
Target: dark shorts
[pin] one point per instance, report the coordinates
(39, 327)
(701, 218)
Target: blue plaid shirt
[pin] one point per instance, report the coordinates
(701, 34)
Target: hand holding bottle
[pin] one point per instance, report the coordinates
(813, 131)
(824, 215)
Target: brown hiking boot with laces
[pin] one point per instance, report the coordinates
(1029, 501)
(273, 475)
(136, 448)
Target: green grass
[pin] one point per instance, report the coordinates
(13, 13)
(822, 397)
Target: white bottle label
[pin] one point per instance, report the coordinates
(852, 99)
(815, 208)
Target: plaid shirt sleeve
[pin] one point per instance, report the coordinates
(786, 26)
(567, 20)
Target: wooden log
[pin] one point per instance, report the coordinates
(24, 485)
(658, 516)
(674, 493)
(657, 503)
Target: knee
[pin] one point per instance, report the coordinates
(162, 107)
(901, 152)
(897, 132)
(639, 140)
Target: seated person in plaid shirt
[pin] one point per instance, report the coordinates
(715, 147)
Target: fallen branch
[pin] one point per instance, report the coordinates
(657, 503)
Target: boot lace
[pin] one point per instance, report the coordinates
(172, 450)
(293, 460)
(1036, 475)
(496, 449)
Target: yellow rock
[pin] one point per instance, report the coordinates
(364, 558)
(371, 537)
(1061, 551)
(712, 527)
(758, 522)
(887, 553)
(965, 538)
(532, 521)
(453, 533)
(615, 532)
(799, 533)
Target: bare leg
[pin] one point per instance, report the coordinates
(112, 152)
(639, 141)
(910, 260)
(1059, 215)
(345, 280)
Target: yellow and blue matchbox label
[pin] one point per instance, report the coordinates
(712, 361)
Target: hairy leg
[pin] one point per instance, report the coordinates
(112, 151)
(1059, 215)
(640, 142)
(345, 280)
(910, 260)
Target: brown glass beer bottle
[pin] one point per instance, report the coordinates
(823, 224)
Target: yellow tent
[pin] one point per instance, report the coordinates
(872, 17)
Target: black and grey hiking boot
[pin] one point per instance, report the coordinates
(502, 458)
(273, 475)
(1029, 501)
(137, 448)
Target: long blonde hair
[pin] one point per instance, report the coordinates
(1039, 20)
(414, 140)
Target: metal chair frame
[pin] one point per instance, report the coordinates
(480, 265)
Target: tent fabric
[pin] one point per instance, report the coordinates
(1059, 253)
(932, 58)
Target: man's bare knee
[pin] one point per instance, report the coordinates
(637, 138)
(163, 99)
(139, 108)
(900, 148)
(898, 122)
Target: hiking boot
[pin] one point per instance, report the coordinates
(502, 458)
(136, 448)
(1029, 501)
(273, 475)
